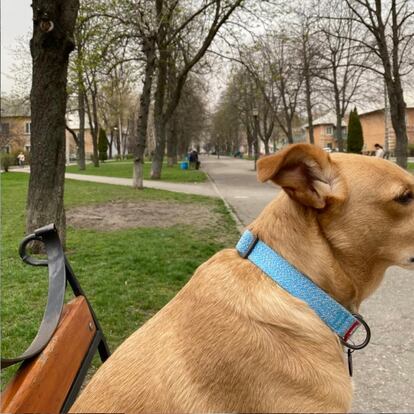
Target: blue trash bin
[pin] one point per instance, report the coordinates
(184, 165)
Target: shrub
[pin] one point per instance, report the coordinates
(355, 137)
(102, 145)
(6, 160)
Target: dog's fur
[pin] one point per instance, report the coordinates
(232, 339)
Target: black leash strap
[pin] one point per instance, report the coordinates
(57, 284)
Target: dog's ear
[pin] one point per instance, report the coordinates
(304, 171)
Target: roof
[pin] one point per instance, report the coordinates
(380, 110)
(409, 101)
(327, 119)
(13, 107)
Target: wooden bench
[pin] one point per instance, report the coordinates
(54, 366)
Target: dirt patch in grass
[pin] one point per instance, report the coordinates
(116, 216)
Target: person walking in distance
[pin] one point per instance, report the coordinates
(21, 158)
(379, 151)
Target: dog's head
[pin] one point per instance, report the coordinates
(364, 205)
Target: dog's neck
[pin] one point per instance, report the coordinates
(294, 232)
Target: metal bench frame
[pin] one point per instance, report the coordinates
(60, 274)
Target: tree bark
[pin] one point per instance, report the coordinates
(172, 142)
(50, 46)
(81, 136)
(110, 144)
(93, 125)
(307, 57)
(159, 116)
(393, 81)
(398, 113)
(338, 112)
(145, 102)
(308, 93)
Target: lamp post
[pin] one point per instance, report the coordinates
(255, 137)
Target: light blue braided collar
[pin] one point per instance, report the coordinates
(339, 319)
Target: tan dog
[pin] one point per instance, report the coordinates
(232, 340)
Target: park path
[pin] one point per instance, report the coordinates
(206, 189)
(236, 182)
(384, 370)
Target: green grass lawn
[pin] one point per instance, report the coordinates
(411, 166)
(127, 274)
(123, 169)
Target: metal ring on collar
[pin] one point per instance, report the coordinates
(367, 338)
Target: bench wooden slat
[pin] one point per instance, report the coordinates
(41, 385)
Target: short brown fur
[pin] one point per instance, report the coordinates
(232, 340)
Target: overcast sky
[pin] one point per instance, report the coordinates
(16, 21)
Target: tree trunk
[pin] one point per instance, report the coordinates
(172, 142)
(159, 119)
(308, 93)
(182, 147)
(338, 130)
(94, 130)
(110, 144)
(157, 161)
(398, 113)
(289, 130)
(50, 48)
(118, 144)
(81, 136)
(145, 102)
(96, 126)
(250, 149)
(121, 139)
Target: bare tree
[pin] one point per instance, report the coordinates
(168, 30)
(309, 49)
(190, 117)
(225, 126)
(279, 77)
(341, 59)
(390, 26)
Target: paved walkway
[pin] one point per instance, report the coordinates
(236, 182)
(206, 188)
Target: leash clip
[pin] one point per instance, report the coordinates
(365, 342)
(352, 347)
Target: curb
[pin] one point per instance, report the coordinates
(240, 226)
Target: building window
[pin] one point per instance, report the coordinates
(4, 128)
(329, 130)
(28, 128)
(6, 149)
(27, 148)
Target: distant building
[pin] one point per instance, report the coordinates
(15, 125)
(377, 128)
(16, 128)
(324, 131)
